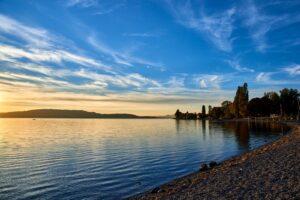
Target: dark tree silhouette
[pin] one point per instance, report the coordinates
(178, 114)
(287, 104)
(260, 107)
(228, 110)
(203, 111)
(240, 104)
(209, 109)
(289, 99)
(216, 113)
(275, 102)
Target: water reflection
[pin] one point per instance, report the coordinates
(240, 130)
(113, 159)
(243, 130)
(204, 126)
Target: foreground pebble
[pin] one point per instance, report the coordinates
(269, 172)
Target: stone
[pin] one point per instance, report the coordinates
(155, 190)
(204, 167)
(212, 164)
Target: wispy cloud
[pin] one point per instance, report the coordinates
(54, 79)
(82, 3)
(263, 77)
(176, 82)
(208, 80)
(32, 36)
(260, 23)
(124, 58)
(145, 34)
(118, 57)
(38, 45)
(267, 79)
(99, 7)
(50, 62)
(217, 27)
(235, 64)
(31, 67)
(292, 69)
(108, 9)
(125, 80)
(8, 52)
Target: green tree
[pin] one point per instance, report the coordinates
(216, 113)
(240, 104)
(227, 107)
(244, 99)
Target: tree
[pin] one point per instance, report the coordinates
(275, 102)
(240, 104)
(254, 107)
(209, 109)
(178, 114)
(224, 104)
(216, 113)
(243, 101)
(203, 111)
(289, 102)
(260, 107)
(227, 107)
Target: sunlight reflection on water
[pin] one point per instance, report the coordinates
(112, 158)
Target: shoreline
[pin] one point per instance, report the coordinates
(264, 172)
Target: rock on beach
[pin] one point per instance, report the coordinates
(269, 172)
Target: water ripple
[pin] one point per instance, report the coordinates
(111, 159)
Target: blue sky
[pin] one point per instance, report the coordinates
(144, 57)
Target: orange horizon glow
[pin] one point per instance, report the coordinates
(22, 101)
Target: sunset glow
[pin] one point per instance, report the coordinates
(143, 58)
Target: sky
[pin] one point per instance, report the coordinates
(145, 57)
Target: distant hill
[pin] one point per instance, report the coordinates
(54, 113)
(167, 117)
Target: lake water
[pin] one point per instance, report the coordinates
(113, 158)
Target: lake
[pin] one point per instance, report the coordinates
(113, 158)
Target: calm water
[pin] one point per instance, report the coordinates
(112, 158)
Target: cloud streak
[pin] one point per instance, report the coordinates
(51, 62)
(145, 34)
(33, 36)
(260, 24)
(209, 80)
(235, 64)
(9, 53)
(217, 28)
(267, 79)
(82, 3)
(122, 58)
(292, 70)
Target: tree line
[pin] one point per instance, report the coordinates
(187, 115)
(285, 104)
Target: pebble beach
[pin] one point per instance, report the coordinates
(269, 172)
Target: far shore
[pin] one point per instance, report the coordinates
(268, 172)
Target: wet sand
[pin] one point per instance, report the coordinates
(269, 172)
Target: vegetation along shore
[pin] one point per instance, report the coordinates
(269, 172)
(283, 106)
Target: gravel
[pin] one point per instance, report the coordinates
(269, 172)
